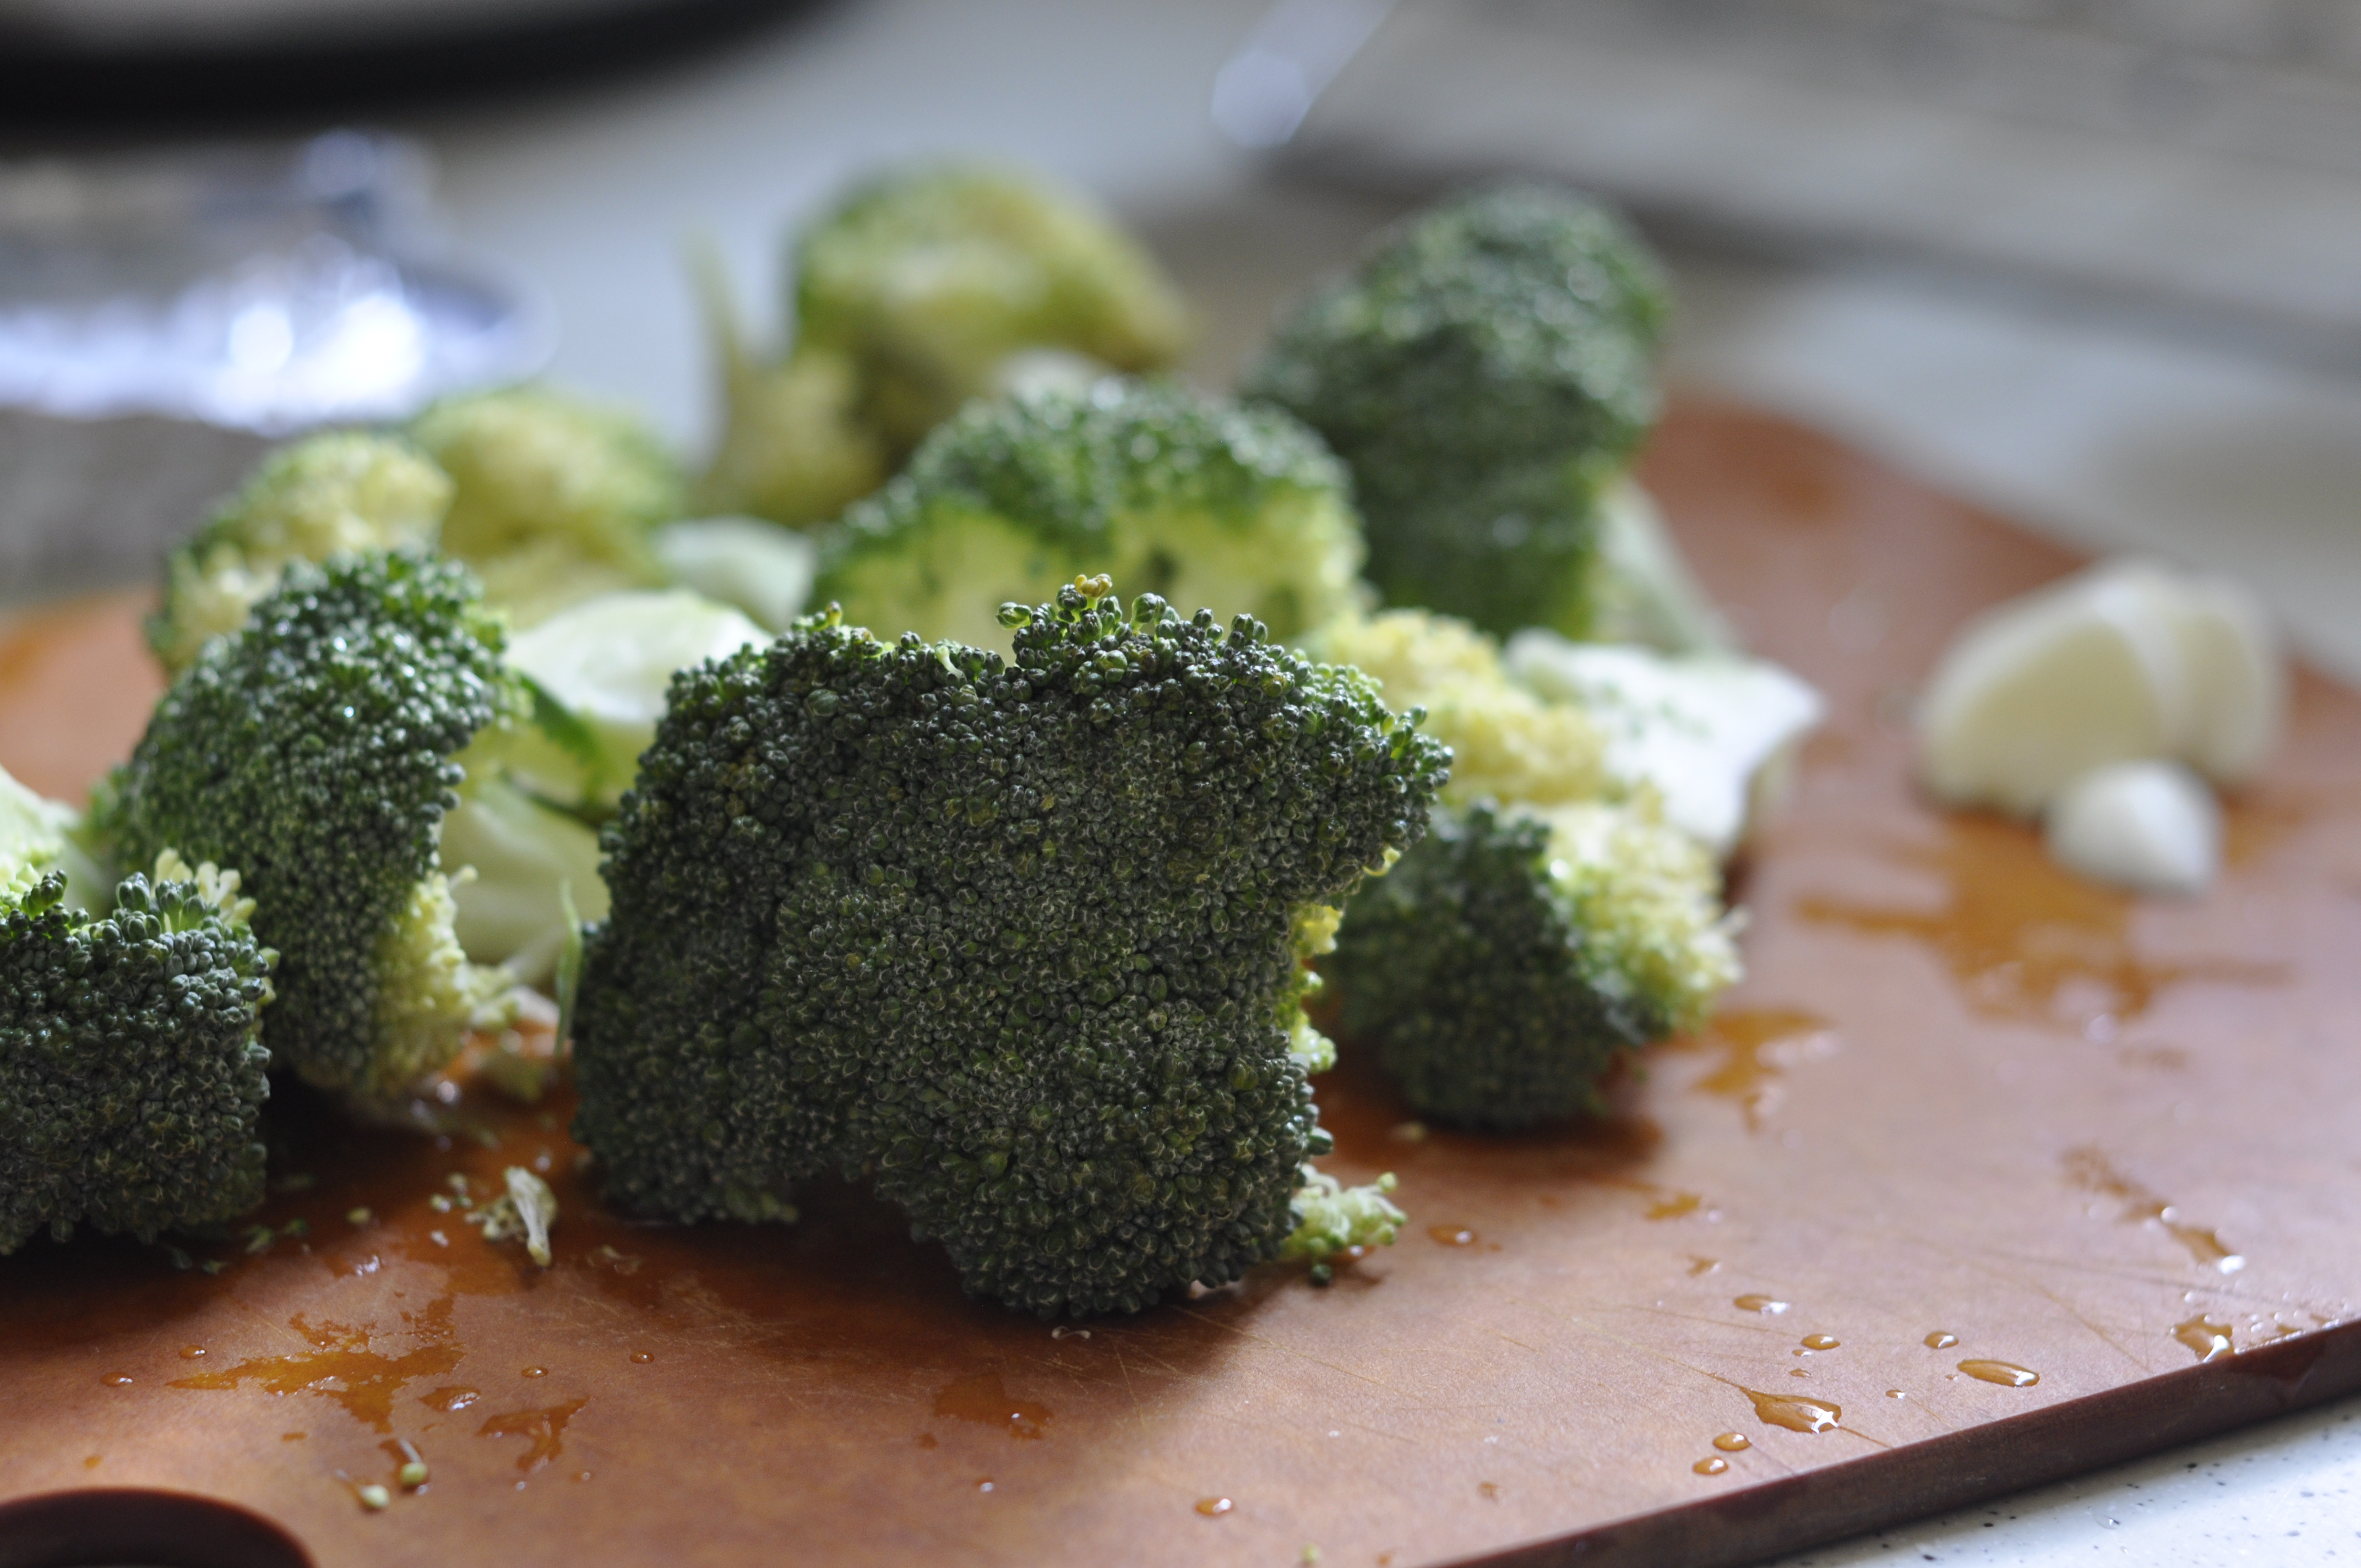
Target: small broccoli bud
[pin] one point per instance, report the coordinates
(1331, 1218)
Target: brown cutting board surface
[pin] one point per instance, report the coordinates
(2048, 1175)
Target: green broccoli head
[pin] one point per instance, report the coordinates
(1021, 942)
(1485, 370)
(1501, 966)
(314, 750)
(1193, 498)
(931, 280)
(322, 495)
(131, 1077)
(556, 497)
(794, 446)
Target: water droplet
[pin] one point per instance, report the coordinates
(582, 1474)
(2008, 1375)
(1895, 1394)
(1215, 1508)
(1756, 1303)
(534, 1371)
(1939, 1340)
(1796, 1412)
(1821, 1341)
(2204, 1335)
(118, 1380)
(1732, 1441)
(1710, 1466)
(1702, 1265)
(1451, 1235)
(984, 1485)
(642, 1358)
(192, 1351)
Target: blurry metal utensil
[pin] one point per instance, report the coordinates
(264, 289)
(161, 314)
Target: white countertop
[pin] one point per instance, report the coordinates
(2103, 433)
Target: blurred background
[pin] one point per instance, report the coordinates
(2091, 260)
(2094, 262)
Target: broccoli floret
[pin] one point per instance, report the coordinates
(1485, 370)
(1193, 498)
(1505, 961)
(796, 446)
(322, 495)
(131, 1078)
(1021, 943)
(556, 497)
(314, 750)
(1507, 743)
(930, 279)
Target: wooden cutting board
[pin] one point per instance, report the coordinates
(1982, 1177)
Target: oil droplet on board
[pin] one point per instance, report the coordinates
(2007, 1373)
(2204, 1335)
(1451, 1235)
(92, 1463)
(1732, 1441)
(2090, 1170)
(1766, 1304)
(192, 1351)
(982, 1399)
(1758, 1046)
(1821, 1341)
(534, 1371)
(582, 1474)
(1215, 1508)
(1939, 1340)
(546, 1428)
(293, 1436)
(642, 1358)
(1796, 1412)
(118, 1380)
(1491, 1490)
(1710, 1466)
(1702, 1265)
(1674, 1205)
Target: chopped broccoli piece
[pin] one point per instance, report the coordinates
(795, 445)
(131, 1078)
(322, 495)
(1485, 370)
(510, 856)
(599, 672)
(929, 280)
(524, 1211)
(314, 750)
(1193, 498)
(1331, 1217)
(1021, 943)
(1505, 961)
(1507, 743)
(555, 497)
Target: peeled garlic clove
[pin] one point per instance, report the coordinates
(2150, 826)
(2046, 687)
(2238, 678)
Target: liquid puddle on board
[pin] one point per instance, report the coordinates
(544, 1427)
(2092, 1171)
(2021, 936)
(981, 1398)
(1758, 1045)
(2202, 1334)
(344, 1367)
